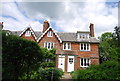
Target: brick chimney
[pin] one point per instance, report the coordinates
(1, 25)
(91, 30)
(45, 26)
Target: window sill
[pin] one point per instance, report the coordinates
(85, 50)
(49, 36)
(27, 35)
(84, 66)
(67, 49)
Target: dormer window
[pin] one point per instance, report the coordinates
(28, 33)
(50, 34)
(83, 36)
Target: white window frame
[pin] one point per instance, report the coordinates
(46, 45)
(83, 36)
(87, 46)
(28, 33)
(48, 60)
(67, 46)
(87, 61)
(50, 34)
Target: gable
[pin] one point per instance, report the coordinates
(33, 36)
(46, 32)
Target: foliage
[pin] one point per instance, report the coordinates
(48, 74)
(110, 45)
(49, 57)
(106, 71)
(19, 57)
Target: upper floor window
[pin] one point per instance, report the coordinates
(84, 62)
(83, 35)
(50, 34)
(66, 46)
(28, 33)
(84, 46)
(49, 45)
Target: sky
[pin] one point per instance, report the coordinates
(63, 15)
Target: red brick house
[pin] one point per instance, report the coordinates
(73, 50)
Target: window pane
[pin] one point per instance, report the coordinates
(45, 44)
(64, 45)
(81, 46)
(87, 62)
(83, 36)
(68, 45)
(81, 61)
(80, 36)
(84, 62)
(84, 46)
(51, 44)
(87, 46)
(51, 33)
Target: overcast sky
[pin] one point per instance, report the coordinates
(64, 16)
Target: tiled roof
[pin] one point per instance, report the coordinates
(72, 37)
(37, 33)
(16, 32)
(64, 36)
(67, 36)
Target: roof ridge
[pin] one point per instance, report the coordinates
(65, 32)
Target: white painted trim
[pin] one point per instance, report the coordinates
(46, 32)
(61, 56)
(30, 30)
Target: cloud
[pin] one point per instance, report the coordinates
(14, 19)
(67, 16)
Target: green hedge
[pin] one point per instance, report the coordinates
(108, 71)
(47, 74)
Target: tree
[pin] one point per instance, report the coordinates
(110, 45)
(105, 46)
(117, 35)
(49, 57)
(19, 57)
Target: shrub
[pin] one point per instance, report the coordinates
(108, 70)
(48, 74)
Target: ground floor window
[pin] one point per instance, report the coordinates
(84, 62)
(47, 60)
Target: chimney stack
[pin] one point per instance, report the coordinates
(91, 30)
(1, 25)
(45, 26)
